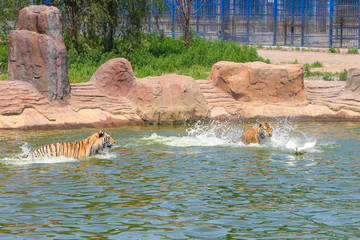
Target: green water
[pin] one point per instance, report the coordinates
(185, 182)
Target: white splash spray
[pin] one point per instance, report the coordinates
(218, 133)
(214, 133)
(19, 159)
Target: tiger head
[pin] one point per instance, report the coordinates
(99, 141)
(264, 130)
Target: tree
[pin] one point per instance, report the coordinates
(186, 9)
(9, 11)
(103, 20)
(73, 13)
(126, 18)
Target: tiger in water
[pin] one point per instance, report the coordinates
(258, 134)
(84, 148)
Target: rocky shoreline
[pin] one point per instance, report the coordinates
(38, 94)
(23, 107)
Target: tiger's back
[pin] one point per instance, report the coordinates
(83, 148)
(66, 149)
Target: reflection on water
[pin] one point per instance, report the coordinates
(185, 182)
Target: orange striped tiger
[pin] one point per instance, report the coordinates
(84, 148)
(258, 134)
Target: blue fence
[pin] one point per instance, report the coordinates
(303, 23)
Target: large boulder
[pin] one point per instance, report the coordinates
(114, 78)
(169, 98)
(258, 81)
(353, 80)
(37, 53)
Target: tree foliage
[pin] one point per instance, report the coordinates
(101, 21)
(9, 11)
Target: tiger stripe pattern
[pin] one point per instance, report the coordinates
(84, 148)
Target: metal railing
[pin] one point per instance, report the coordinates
(302, 23)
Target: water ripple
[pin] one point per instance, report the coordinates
(146, 187)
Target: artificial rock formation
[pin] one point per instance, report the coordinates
(37, 53)
(114, 97)
(169, 98)
(353, 80)
(258, 81)
(114, 78)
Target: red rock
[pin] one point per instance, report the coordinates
(353, 80)
(169, 98)
(41, 19)
(219, 113)
(257, 81)
(37, 53)
(114, 78)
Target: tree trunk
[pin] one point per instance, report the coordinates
(187, 32)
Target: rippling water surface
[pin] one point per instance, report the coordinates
(185, 182)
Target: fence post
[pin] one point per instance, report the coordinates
(359, 28)
(292, 24)
(302, 22)
(173, 19)
(149, 20)
(331, 13)
(275, 23)
(223, 20)
(247, 21)
(197, 17)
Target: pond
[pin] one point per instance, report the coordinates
(185, 182)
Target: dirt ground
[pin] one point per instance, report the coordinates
(332, 62)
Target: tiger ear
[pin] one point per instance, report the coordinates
(101, 133)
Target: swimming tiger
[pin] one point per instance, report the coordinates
(258, 134)
(84, 148)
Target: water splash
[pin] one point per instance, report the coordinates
(286, 133)
(218, 133)
(200, 134)
(19, 159)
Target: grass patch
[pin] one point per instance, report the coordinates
(159, 55)
(328, 76)
(308, 67)
(316, 64)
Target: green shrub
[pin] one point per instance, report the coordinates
(316, 64)
(307, 71)
(327, 76)
(343, 75)
(334, 50)
(295, 62)
(3, 60)
(353, 50)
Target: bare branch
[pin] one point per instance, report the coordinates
(184, 8)
(202, 4)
